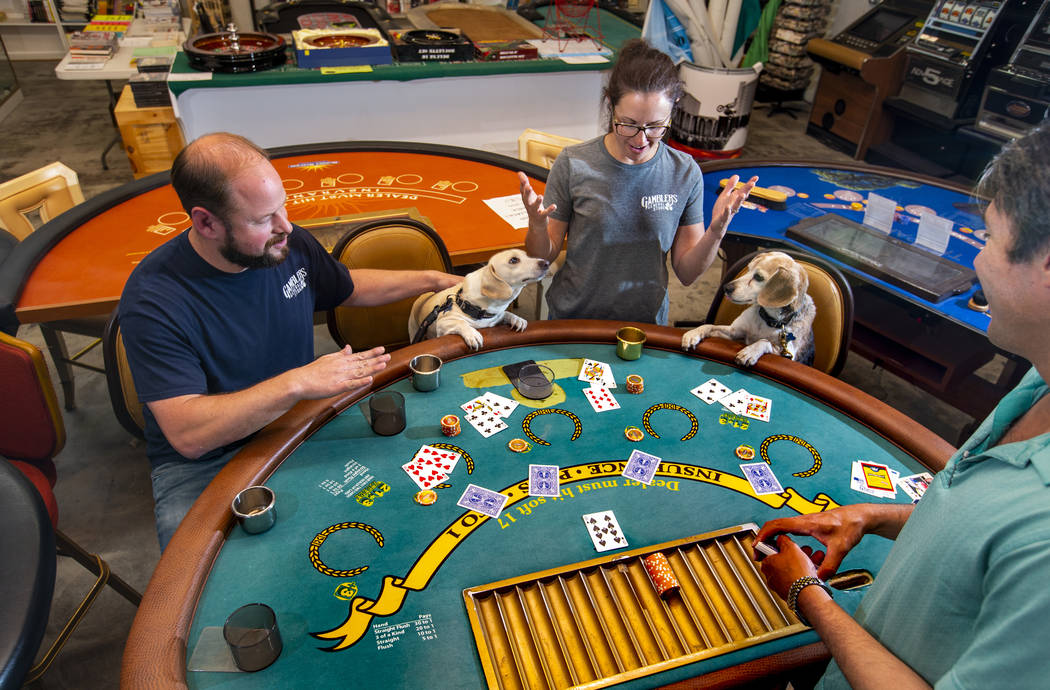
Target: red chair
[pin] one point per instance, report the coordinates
(31, 435)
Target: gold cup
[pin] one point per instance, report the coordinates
(629, 342)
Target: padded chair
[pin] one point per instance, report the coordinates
(832, 295)
(542, 148)
(26, 203)
(400, 244)
(31, 434)
(122, 395)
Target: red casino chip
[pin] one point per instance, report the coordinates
(659, 570)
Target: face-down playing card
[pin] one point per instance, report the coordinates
(482, 500)
(604, 531)
(641, 467)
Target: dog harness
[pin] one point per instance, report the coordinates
(471, 310)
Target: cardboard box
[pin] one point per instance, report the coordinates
(151, 136)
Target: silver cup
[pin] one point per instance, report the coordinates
(426, 372)
(255, 508)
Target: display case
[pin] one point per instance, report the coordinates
(10, 94)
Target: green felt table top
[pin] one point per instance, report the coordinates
(344, 492)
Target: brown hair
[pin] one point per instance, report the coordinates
(643, 69)
(202, 171)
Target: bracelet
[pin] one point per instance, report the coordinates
(796, 588)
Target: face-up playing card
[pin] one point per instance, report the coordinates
(641, 467)
(543, 480)
(483, 418)
(761, 478)
(604, 531)
(597, 373)
(735, 402)
(873, 479)
(482, 500)
(438, 458)
(501, 406)
(601, 399)
(757, 407)
(475, 404)
(711, 391)
(915, 485)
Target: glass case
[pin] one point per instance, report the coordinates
(10, 95)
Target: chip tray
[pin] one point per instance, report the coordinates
(601, 622)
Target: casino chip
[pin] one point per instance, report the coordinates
(745, 452)
(450, 425)
(633, 433)
(519, 445)
(635, 383)
(426, 497)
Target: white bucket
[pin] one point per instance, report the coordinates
(711, 119)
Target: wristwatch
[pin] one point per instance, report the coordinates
(796, 588)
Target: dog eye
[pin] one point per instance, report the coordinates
(514, 260)
(759, 277)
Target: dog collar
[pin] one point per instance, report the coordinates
(773, 322)
(472, 310)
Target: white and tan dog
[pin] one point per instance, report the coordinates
(780, 318)
(479, 301)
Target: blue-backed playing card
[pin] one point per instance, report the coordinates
(641, 467)
(543, 480)
(761, 478)
(482, 500)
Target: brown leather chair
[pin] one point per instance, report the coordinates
(122, 395)
(31, 435)
(26, 203)
(832, 295)
(398, 244)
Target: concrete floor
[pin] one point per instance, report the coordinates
(103, 488)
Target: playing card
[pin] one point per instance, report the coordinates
(475, 404)
(915, 485)
(501, 406)
(761, 478)
(485, 421)
(641, 467)
(736, 402)
(757, 407)
(601, 399)
(869, 480)
(482, 500)
(543, 480)
(439, 458)
(597, 373)
(604, 531)
(711, 391)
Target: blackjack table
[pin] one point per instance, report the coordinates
(937, 344)
(76, 264)
(374, 589)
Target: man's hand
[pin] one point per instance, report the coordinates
(340, 372)
(838, 530)
(782, 569)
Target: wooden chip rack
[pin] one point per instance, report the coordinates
(600, 622)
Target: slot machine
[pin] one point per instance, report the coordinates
(949, 61)
(1017, 97)
(861, 67)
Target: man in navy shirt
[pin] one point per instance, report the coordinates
(218, 322)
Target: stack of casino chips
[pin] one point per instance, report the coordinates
(635, 383)
(450, 425)
(659, 569)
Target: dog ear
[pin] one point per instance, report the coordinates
(781, 288)
(494, 287)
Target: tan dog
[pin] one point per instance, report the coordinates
(780, 318)
(479, 301)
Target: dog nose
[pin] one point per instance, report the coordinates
(543, 263)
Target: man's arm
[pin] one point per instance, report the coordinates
(197, 424)
(374, 287)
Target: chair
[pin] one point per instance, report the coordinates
(401, 244)
(26, 203)
(832, 295)
(31, 434)
(122, 395)
(542, 148)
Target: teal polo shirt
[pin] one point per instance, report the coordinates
(964, 595)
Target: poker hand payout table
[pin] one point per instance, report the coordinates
(368, 585)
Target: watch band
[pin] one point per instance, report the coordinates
(796, 588)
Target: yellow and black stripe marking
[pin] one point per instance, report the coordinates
(456, 449)
(315, 548)
(762, 452)
(577, 427)
(695, 425)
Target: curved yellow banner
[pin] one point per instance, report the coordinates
(395, 589)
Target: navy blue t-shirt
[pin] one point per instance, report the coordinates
(190, 328)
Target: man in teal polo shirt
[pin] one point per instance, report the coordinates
(963, 600)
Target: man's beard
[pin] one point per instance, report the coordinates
(231, 253)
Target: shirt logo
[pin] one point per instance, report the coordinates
(659, 202)
(295, 284)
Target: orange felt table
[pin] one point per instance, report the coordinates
(80, 262)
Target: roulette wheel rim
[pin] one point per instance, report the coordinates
(230, 51)
(344, 40)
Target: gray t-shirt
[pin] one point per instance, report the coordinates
(622, 221)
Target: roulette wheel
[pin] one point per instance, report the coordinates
(231, 51)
